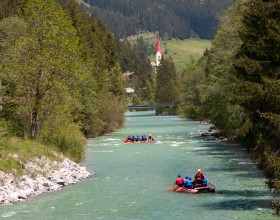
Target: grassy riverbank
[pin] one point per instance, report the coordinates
(15, 152)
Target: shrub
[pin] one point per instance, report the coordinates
(66, 137)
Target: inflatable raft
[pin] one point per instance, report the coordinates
(140, 141)
(202, 189)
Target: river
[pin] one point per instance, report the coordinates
(132, 178)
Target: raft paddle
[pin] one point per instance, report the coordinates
(169, 187)
(179, 189)
(218, 191)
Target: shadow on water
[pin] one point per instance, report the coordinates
(243, 193)
(220, 151)
(239, 204)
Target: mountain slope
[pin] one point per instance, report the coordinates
(173, 19)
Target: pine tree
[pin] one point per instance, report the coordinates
(257, 69)
(167, 84)
(103, 83)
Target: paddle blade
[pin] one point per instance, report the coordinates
(179, 189)
(169, 188)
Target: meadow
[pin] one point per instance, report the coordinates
(184, 52)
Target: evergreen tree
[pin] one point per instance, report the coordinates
(103, 83)
(177, 18)
(257, 69)
(167, 87)
(134, 60)
(217, 89)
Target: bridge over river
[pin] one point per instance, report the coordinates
(142, 107)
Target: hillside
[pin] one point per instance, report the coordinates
(173, 19)
(184, 51)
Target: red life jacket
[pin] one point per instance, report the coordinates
(179, 181)
(198, 176)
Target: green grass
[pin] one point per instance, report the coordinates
(182, 50)
(14, 152)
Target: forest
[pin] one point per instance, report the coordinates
(61, 76)
(172, 19)
(235, 85)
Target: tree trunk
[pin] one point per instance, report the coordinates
(35, 111)
(34, 123)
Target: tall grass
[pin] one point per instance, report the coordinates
(14, 152)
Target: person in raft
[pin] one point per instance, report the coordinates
(199, 177)
(188, 182)
(144, 138)
(133, 138)
(150, 137)
(179, 181)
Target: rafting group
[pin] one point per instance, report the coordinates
(187, 185)
(142, 138)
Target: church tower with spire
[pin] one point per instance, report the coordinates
(158, 52)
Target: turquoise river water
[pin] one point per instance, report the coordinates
(131, 179)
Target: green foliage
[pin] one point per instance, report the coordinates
(11, 127)
(134, 60)
(237, 81)
(112, 115)
(41, 63)
(145, 47)
(11, 165)
(168, 87)
(270, 163)
(8, 7)
(102, 84)
(208, 84)
(65, 136)
(135, 99)
(192, 81)
(257, 69)
(57, 79)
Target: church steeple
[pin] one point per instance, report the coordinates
(158, 52)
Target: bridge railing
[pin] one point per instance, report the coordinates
(141, 107)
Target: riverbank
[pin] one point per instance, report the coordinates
(42, 175)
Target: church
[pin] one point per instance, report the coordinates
(158, 53)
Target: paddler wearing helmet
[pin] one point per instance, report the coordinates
(199, 177)
(179, 181)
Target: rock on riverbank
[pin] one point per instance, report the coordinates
(42, 175)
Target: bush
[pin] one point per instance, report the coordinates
(9, 128)
(66, 137)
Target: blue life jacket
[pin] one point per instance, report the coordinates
(204, 182)
(188, 183)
